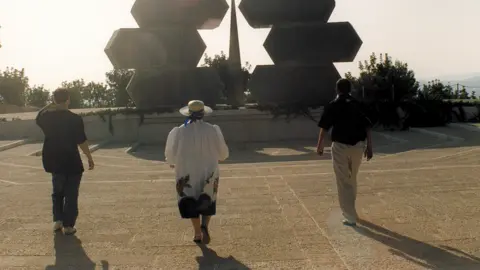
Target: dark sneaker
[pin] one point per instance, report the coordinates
(57, 226)
(69, 230)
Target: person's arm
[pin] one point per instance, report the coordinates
(171, 147)
(82, 142)
(223, 151)
(325, 123)
(86, 150)
(369, 148)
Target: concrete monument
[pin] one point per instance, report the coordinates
(303, 46)
(166, 49)
(165, 52)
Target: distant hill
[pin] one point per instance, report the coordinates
(471, 83)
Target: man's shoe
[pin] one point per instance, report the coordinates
(69, 230)
(57, 226)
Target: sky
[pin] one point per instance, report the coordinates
(59, 40)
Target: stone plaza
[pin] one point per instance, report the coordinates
(277, 209)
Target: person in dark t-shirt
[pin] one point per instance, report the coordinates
(350, 129)
(64, 134)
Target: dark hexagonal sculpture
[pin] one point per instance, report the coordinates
(264, 13)
(135, 48)
(184, 46)
(276, 85)
(315, 43)
(173, 88)
(201, 14)
(138, 48)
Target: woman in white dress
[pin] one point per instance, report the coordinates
(194, 150)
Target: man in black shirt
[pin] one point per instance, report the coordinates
(350, 129)
(64, 133)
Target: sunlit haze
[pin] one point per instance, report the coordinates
(57, 40)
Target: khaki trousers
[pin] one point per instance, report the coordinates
(346, 162)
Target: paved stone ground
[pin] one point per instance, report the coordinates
(277, 209)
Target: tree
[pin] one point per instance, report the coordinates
(473, 95)
(97, 95)
(37, 96)
(117, 81)
(464, 94)
(13, 84)
(220, 63)
(89, 95)
(436, 90)
(385, 79)
(75, 88)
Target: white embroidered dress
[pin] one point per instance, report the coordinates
(195, 150)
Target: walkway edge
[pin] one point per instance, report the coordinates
(133, 148)
(99, 145)
(438, 135)
(13, 145)
(466, 127)
(391, 138)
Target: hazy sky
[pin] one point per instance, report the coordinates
(56, 40)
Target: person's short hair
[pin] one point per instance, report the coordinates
(344, 86)
(61, 95)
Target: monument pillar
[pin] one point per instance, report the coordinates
(235, 85)
(165, 52)
(303, 46)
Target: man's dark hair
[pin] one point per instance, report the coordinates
(344, 86)
(61, 95)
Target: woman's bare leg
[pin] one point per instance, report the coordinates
(206, 233)
(197, 229)
(206, 220)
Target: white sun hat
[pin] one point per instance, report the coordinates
(195, 106)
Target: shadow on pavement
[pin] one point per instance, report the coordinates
(69, 254)
(249, 152)
(421, 253)
(210, 260)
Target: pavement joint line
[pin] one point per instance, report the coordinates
(316, 224)
(297, 174)
(321, 163)
(20, 165)
(263, 177)
(10, 182)
(295, 235)
(457, 154)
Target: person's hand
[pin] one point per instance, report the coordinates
(91, 164)
(368, 153)
(320, 148)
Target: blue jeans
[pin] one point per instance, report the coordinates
(65, 198)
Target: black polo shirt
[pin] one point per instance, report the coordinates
(348, 122)
(64, 131)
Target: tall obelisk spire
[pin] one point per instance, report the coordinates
(236, 84)
(234, 51)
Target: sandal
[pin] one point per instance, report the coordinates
(197, 239)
